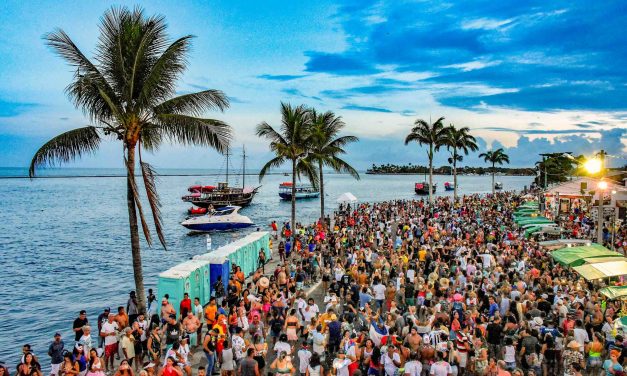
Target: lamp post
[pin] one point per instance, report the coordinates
(602, 187)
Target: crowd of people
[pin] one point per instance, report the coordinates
(400, 288)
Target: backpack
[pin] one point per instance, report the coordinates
(276, 326)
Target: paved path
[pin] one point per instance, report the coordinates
(315, 291)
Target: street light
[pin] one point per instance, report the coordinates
(593, 166)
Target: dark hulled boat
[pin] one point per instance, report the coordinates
(423, 188)
(220, 196)
(448, 186)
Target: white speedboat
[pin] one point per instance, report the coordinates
(498, 185)
(226, 218)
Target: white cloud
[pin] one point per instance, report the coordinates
(484, 23)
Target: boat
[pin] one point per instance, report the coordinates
(197, 211)
(222, 195)
(448, 186)
(498, 185)
(286, 174)
(423, 188)
(226, 218)
(302, 191)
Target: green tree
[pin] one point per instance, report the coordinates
(495, 157)
(127, 92)
(459, 140)
(327, 147)
(292, 142)
(433, 135)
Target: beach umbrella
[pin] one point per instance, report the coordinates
(346, 198)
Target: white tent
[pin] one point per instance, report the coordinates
(346, 198)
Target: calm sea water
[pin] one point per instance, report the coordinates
(64, 243)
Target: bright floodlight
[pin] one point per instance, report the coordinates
(602, 185)
(592, 165)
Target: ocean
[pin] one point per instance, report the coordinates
(64, 240)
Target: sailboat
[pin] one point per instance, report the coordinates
(423, 188)
(222, 195)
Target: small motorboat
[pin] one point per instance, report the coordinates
(448, 186)
(197, 211)
(423, 188)
(226, 218)
(302, 191)
(498, 185)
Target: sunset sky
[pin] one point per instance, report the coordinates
(530, 76)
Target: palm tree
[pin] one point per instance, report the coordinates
(495, 157)
(459, 140)
(292, 142)
(127, 92)
(434, 135)
(327, 147)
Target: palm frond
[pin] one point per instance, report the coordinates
(342, 166)
(307, 167)
(190, 130)
(138, 204)
(274, 162)
(194, 104)
(66, 147)
(150, 176)
(265, 130)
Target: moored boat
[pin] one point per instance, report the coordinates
(423, 188)
(220, 196)
(448, 186)
(226, 218)
(498, 185)
(197, 211)
(302, 191)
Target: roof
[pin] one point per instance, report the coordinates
(573, 187)
(614, 292)
(575, 256)
(602, 269)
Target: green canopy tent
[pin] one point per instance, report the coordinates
(614, 292)
(576, 256)
(561, 243)
(532, 230)
(600, 270)
(533, 221)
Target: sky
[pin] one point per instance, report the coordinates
(528, 76)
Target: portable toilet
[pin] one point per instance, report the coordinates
(219, 265)
(180, 279)
(198, 269)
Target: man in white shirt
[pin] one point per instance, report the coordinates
(391, 360)
(304, 355)
(310, 311)
(440, 368)
(379, 294)
(239, 345)
(413, 367)
(341, 364)
(109, 332)
(581, 336)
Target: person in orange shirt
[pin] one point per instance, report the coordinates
(211, 313)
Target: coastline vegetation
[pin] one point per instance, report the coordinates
(394, 169)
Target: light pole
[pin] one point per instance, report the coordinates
(602, 187)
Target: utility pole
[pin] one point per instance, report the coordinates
(227, 166)
(602, 187)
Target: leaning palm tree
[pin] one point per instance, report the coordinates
(433, 135)
(459, 140)
(291, 142)
(128, 93)
(327, 147)
(495, 157)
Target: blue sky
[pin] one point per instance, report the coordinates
(529, 76)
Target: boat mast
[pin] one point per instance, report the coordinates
(227, 166)
(243, 166)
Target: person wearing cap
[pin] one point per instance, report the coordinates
(55, 352)
(341, 363)
(86, 339)
(102, 318)
(78, 324)
(109, 332)
(127, 343)
(131, 307)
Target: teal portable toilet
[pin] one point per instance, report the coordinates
(182, 278)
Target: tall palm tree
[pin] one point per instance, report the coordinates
(128, 93)
(495, 157)
(291, 142)
(433, 135)
(459, 140)
(327, 147)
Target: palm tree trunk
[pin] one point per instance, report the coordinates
(132, 219)
(493, 178)
(293, 200)
(321, 193)
(430, 174)
(454, 177)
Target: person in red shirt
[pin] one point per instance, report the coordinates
(186, 305)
